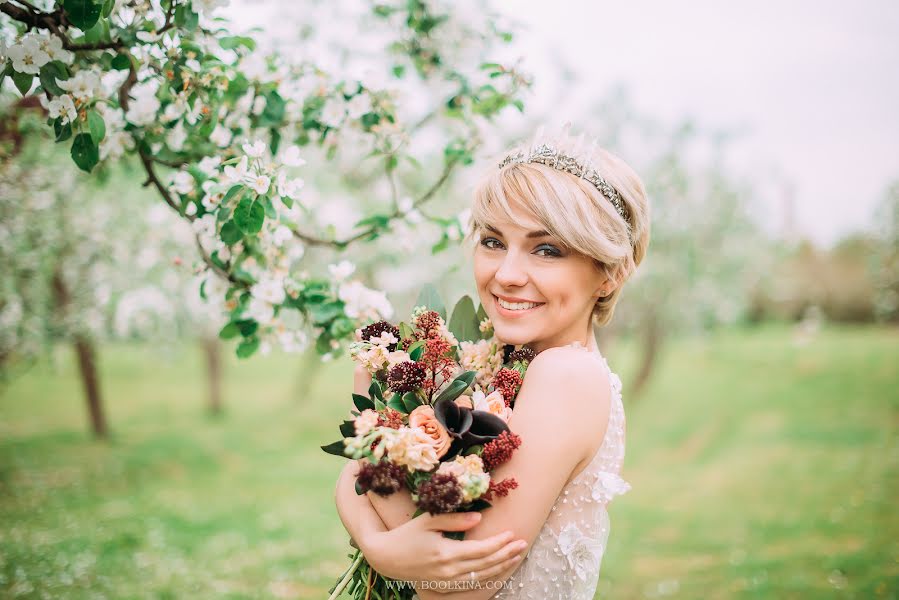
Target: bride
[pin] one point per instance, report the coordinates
(558, 228)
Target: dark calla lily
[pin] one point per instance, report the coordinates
(467, 427)
(485, 426)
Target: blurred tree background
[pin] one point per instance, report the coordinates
(140, 458)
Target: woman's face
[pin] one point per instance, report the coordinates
(552, 289)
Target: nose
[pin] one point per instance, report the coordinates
(511, 272)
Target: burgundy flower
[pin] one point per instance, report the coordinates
(500, 489)
(467, 427)
(523, 354)
(376, 329)
(508, 382)
(383, 478)
(500, 450)
(428, 323)
(440, 494)
(406, 376)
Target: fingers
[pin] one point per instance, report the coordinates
(486, 574)
(514, 549)
(454, 521)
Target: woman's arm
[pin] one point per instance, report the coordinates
(558, 414)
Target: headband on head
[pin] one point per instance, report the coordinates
(544, 150)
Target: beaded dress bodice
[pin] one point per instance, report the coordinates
(564, 560)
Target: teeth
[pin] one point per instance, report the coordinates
(517, 305)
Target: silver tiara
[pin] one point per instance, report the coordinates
(578, 164)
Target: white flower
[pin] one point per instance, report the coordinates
(205, 225)
(260, 310)
(365, 422)
(28, 56)
(62, 106)
(608, 485)
(176, 137)
(260, 183)
(114, 144)
(209, 165)
(144, 105)
(254, 150)
(582, 552)
(182, 183)
(236, 173)
(270, 290)
(385, 339)
(359, 105)
(191, 209)
(333, 112)
(281, 235)
(205, 7)
(362, 302)
(52, 45)
(220, 136)
(288, 188)
(84, 85)
(341, 270)
(291, 157)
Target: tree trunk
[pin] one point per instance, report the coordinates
(87, 361)
(212, 349)
(87, 366)
(652, 341)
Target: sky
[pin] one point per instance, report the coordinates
(812, 88)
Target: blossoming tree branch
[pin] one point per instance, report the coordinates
(219, 129)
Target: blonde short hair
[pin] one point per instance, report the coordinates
(574, 212)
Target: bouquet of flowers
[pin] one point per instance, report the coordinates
(435, 419)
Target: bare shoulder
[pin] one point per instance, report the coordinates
(568, 377)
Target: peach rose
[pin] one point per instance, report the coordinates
(423, 418)
(464, 401)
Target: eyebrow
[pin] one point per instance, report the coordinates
(531, 234)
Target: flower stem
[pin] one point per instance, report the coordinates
(357, 560)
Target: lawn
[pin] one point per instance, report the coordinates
(761, 468)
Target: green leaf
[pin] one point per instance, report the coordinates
(274, 110)
(23, 82)
(405, 331)
(50, 73)
(96, 125)
(186, 18)
(247, 347)
(335, 448)
(347, 429)
(83, 14)
(63, 132)
(231, 233)
(107, 8)
(229, 331)
(121, 62)
(464, 322)
(379, 405)
(85, 152)
(430, 298)
(358, 487)
(232, 192)
(416, 350)
(249, 215)
(247, 327)
(453, 390)
(362, 402)
(410, 400)
(374, 391)
(235, 41)
(396, 403)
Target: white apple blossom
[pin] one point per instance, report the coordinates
(27, 56)
(359, 105)
(209, 165)
(206, 7)
(260, 310)
(290, 157)
(333, 112)
(364, 303)
(236, 173)
(176, 137)
(144, 104)
(281, 235)
(52, 45)
(62, 106)
(83, 85)
(221, 136)
(341, 270)
(260, 183)
(182, 183)
(255, 149)
(288, 188)
(270, 289)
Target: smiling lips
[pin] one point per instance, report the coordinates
(514, 308)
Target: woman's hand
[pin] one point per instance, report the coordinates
(418, 551)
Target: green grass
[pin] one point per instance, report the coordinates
(760, 469)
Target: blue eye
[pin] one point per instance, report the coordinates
(552, 251)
